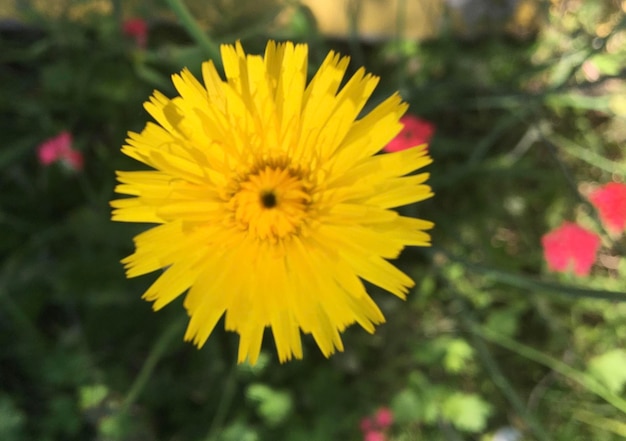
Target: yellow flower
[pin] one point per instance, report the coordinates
(271, 203)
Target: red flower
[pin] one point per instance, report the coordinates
(374, 435)
(374, 428)
(383, 417)
(415, 132)
(59, 148)
(366, 425)
(570, 244)
(136, 28)
(610, 201)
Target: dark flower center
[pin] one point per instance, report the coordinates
(268, 199)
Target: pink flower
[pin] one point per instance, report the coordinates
(383, 417)
(610, 201)
(366, 425)
(136, 28)
(570, 244)
(416, 132)
(374, 435)
(59, 148)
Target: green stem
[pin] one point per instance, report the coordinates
(507, 389)
(399, 37)
(535, 285)
(498, 377)
(585, 154)
(581, 378)
(118, 12)
(600, 422)
(224, 404)
(354, 13)
(502, 125)
(148, 367)
(193, 28)
(565, 171)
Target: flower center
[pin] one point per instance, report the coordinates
(268, 199)
(271, 202)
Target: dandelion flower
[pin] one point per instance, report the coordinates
(272, 207)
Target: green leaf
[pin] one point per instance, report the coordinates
(115, 427)
(610, 369)
(621, 267)
(63, 417)
(407, 407)
(458, 355)
(12, 420)
(58, 79)
(467, 412)
(577, 100)
(92, 396)
(238, 431)
(607, 64)
(432, 398)
(503, 322)
(605, 424)
(273, 406)
(256, 369)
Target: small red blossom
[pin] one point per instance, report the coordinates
(569, 245)
(375, 435)
(366, 425)
(136, 28)
(416, 132)
(383, 417)
(375, 428)
(59, 148)
(610, 201)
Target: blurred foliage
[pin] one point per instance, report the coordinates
(488, 339)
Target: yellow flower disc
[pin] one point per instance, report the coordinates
(271, 203)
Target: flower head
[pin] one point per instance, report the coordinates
(610, 201)
(271, 204)
(136, 28)
(383, 417)
(416, 132)
(59, 148)
(375, 435)
(570, 245)
(376, 426)
(366, 424)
